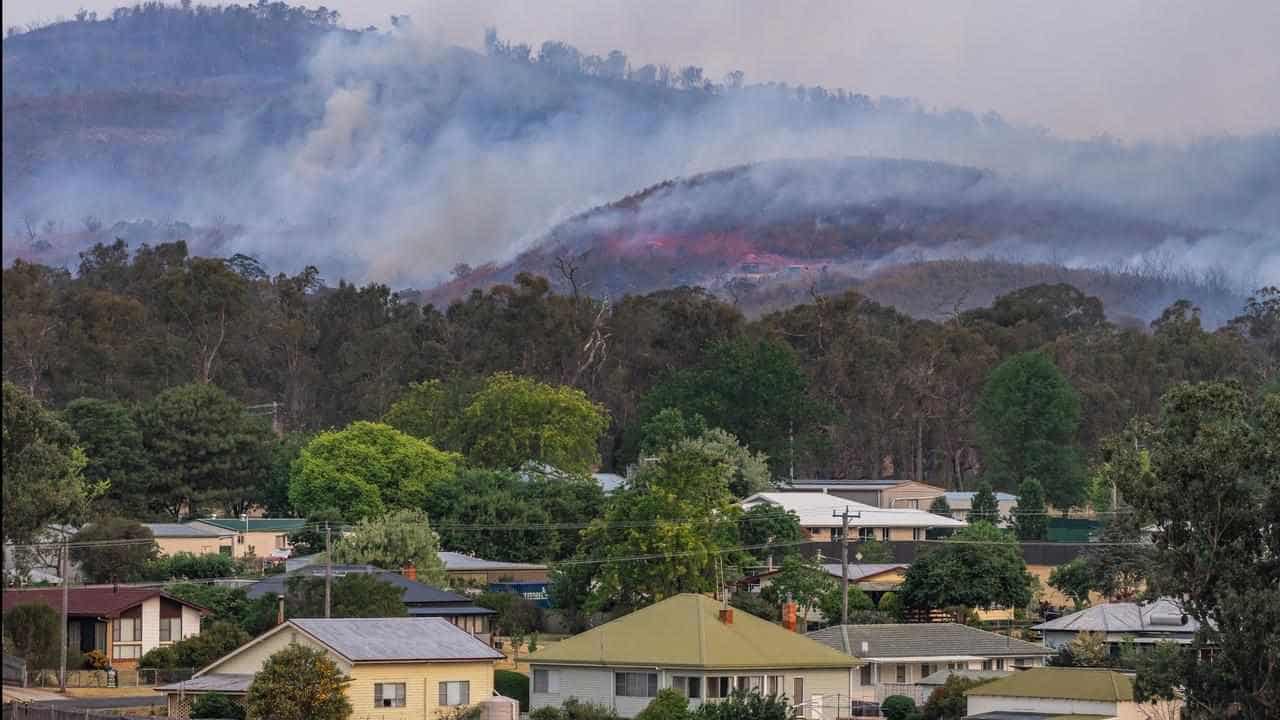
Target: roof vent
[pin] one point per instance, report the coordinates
(1168, 619)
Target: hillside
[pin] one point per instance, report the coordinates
(923, 237)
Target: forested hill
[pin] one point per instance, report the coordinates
(882, 391)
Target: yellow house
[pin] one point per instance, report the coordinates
(174, 538)
(254, 537)
(399, 667)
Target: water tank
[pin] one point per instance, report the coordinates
(1167, 619)
(499, 708)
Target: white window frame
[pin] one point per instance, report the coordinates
(380, 698)
(464, 692)
(900, 673)
(626, 680)
(688, 685)
(550, 684)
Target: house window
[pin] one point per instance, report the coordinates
(865, 534)
(999, 663)
(926, 670)
(864, 675)
(170, 629)
(719, 687)
(455, 692)
(239, 539)
(126, 652)
(917, 534)
(127, 630)
(986, 664)
(1021, 662)
(773, 685)
(884, 534)
(282, 542)
(751, 683)
(900, 671)
(544, 682)
(688, 685)
(388, 695)
(224, 550)
(633, 684)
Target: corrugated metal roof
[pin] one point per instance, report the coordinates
(89, 601)
(1162, 616)
(184, 530)
(256, 524)
(213, 682)
(396, 639)
(415, 593)
(858, 571)
(922, 640)
(685, 631)
(965, 499)
(815, 510)
(461, 561)
(1061, 683)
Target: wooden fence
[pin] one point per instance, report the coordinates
(21, 711)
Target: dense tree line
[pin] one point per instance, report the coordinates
(839, 387)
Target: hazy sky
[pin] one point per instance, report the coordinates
(1150, 69)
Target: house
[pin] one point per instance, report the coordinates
(609, 482)
(819, 518)
(878, 493)
(691, 643)
(1056, 692)
(420, 600)
(197, 539)
(468, 570)
(255, 537)
(962, 502)
(898, 656)
(874, 579)
(123, 623)
(399, 667)
(1143, 624)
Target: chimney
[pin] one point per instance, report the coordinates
(410, 572)
(726, 615)
(789, 615)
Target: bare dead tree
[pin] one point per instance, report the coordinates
(596, 347)
(568, 269)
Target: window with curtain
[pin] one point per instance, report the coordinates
(455, 692)
(901, 672)
(719, 687)
(773, 686)
(689, 686)
(544, 682)
(633, 684)
(388, 695)
(170, 629)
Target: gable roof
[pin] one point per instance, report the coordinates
(862, 571)
(964, 500)
(415, 593)
(923, 640)
(685, 631)
(1061, 683)
(815, 510)
(185, 530)
(255, 524)
(106, 601)
(461, 561)
(1162, 616)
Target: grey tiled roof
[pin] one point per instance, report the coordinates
(923, 640)
(1161, 616)
(396, 639)
(415, 593)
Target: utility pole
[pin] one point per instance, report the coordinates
(66, 593)
(844, 561)
(328, 571)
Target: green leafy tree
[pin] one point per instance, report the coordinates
(980, 566)
(299, 683)
(393, 542)
(569, 589)
(1028, 418)
(1029, 519)
(122, 563)
(755, 390)
(667, 427)
(226, 604)
(898, 707)
(216, 705)
(512, 684)
(803, 581)
(366, 470)
(31, 630)
(1088, 649)
(517, 615)
(197, 651)
(753, 603)
(1214, 446)
(108, 434)
(872, 551)
(891, 605)
(763, 524)
(434, 410)
(669, 704)
(831, 603)
(940, 506)
(949, 702)
(984, 507)
(1118, 564)
(310, 538)
(354, 595)
(203, 450)
(514, 420)
(43, 468)
(275, 496)
(188, 566)
(679, 508)
(750, 470)
(1073, 580)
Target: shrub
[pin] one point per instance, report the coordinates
(31, 629)
(216, 705)
(574, 709)
(96, 660)
(670, 704)
(891, 605)
(948, 702)
(898, 707)
(509, 683)
(745, 706)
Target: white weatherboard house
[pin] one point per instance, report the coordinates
(866, 522)
(691, 643)
(899, 656)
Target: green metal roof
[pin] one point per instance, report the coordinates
(1061, 683)
(686, 631)
(256, 524)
